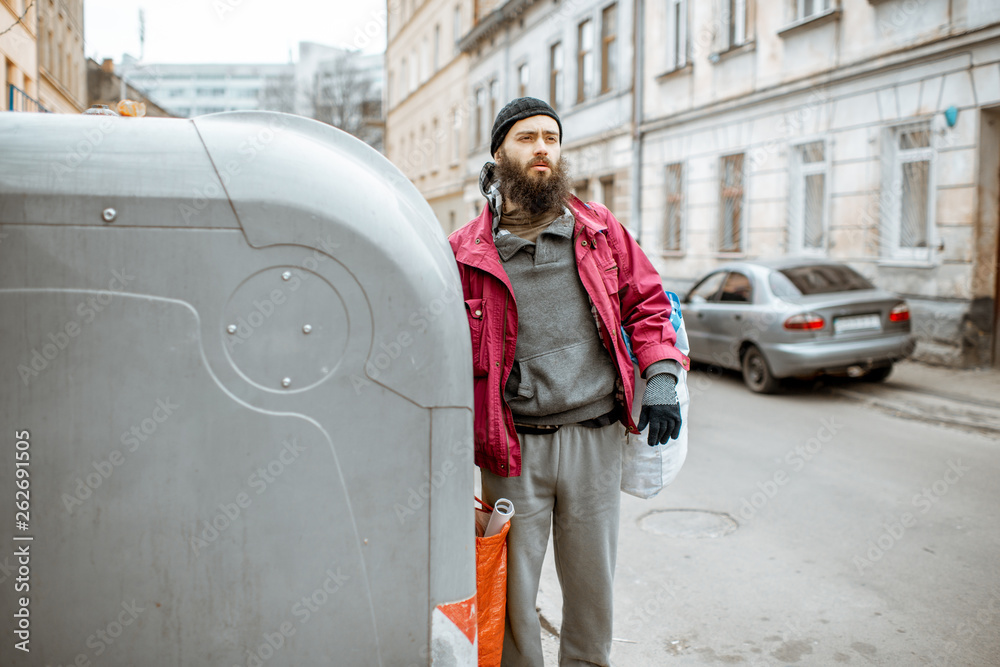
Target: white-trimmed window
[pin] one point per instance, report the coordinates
(609, 47)
(480, 116)
(556, 75)
(523, 76)
(494, 102)
(584, 60)
(806, 8)
(808, 198)
(908, 202)
(731, 203)
(673, 222)
(456, 134)
(677, 34)
(735, 28)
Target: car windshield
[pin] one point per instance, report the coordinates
(821, 279)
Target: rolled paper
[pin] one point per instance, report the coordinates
(503, 510)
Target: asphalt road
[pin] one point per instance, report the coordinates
(824, 532)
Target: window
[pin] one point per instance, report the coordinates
(822, 279)
(908, 206)
(414, 70)
(677, 47)
(494, 100)
(436, 158)
(437, 47)
(736, 289)
(404, 79)
(807, 199)
(522, 80)
(706, 289)
(210, 92)
(735, 19)
(806, 8)
(556, 75)
(582, 189)
(456, 24)
(480, 115)
(456, 134)
(731, 203)
(675, 208)
(608, 191)
(609, 47)
(584, 59)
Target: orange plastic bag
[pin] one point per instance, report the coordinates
(491, 588)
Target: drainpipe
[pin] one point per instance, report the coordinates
(638, 39)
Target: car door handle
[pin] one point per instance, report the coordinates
(701, 316)
(737, 317)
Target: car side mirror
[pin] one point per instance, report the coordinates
(694, 298)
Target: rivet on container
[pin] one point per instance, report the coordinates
(109, 215)
(287, 275)
(307, 329)
(231, 328)
(287, 382)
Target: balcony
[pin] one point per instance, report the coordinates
(18, 100)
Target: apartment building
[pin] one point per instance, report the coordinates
(188, 90)
(429, 108)
(42, 65)
(577, 56)
(19, 56)
(62, 66)
(866, 131)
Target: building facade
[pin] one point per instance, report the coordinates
(866, 131)
(578, 57)
(428, 105)
(19, 56)
(196, 89)
(62, 66)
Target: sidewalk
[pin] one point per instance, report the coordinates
(963, 398)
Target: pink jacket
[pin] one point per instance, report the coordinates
(621, 283)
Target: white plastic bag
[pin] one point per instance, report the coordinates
(647, 470)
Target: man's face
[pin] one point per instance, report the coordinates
(533, 144)
(531, 171)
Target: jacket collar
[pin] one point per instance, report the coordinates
(478, 246)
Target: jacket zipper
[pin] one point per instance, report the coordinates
(503, 367)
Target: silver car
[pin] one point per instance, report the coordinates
(795, 318)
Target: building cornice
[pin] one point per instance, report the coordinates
(904, 57)
(493, 22)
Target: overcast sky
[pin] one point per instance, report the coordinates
(230, 31)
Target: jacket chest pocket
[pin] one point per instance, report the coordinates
(610, 276)
(475, 309)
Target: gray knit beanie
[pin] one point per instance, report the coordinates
(519, 109)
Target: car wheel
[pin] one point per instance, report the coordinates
(757, 374)
(877, 374)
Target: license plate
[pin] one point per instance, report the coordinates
(857, 323)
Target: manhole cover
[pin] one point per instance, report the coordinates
(688, 523)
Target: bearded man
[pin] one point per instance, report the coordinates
(549, 283)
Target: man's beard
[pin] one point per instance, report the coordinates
(530, 191)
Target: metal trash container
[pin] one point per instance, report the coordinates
(237, 399)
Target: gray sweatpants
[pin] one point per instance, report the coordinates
(570, 480)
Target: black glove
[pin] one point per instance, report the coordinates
(660, 409)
